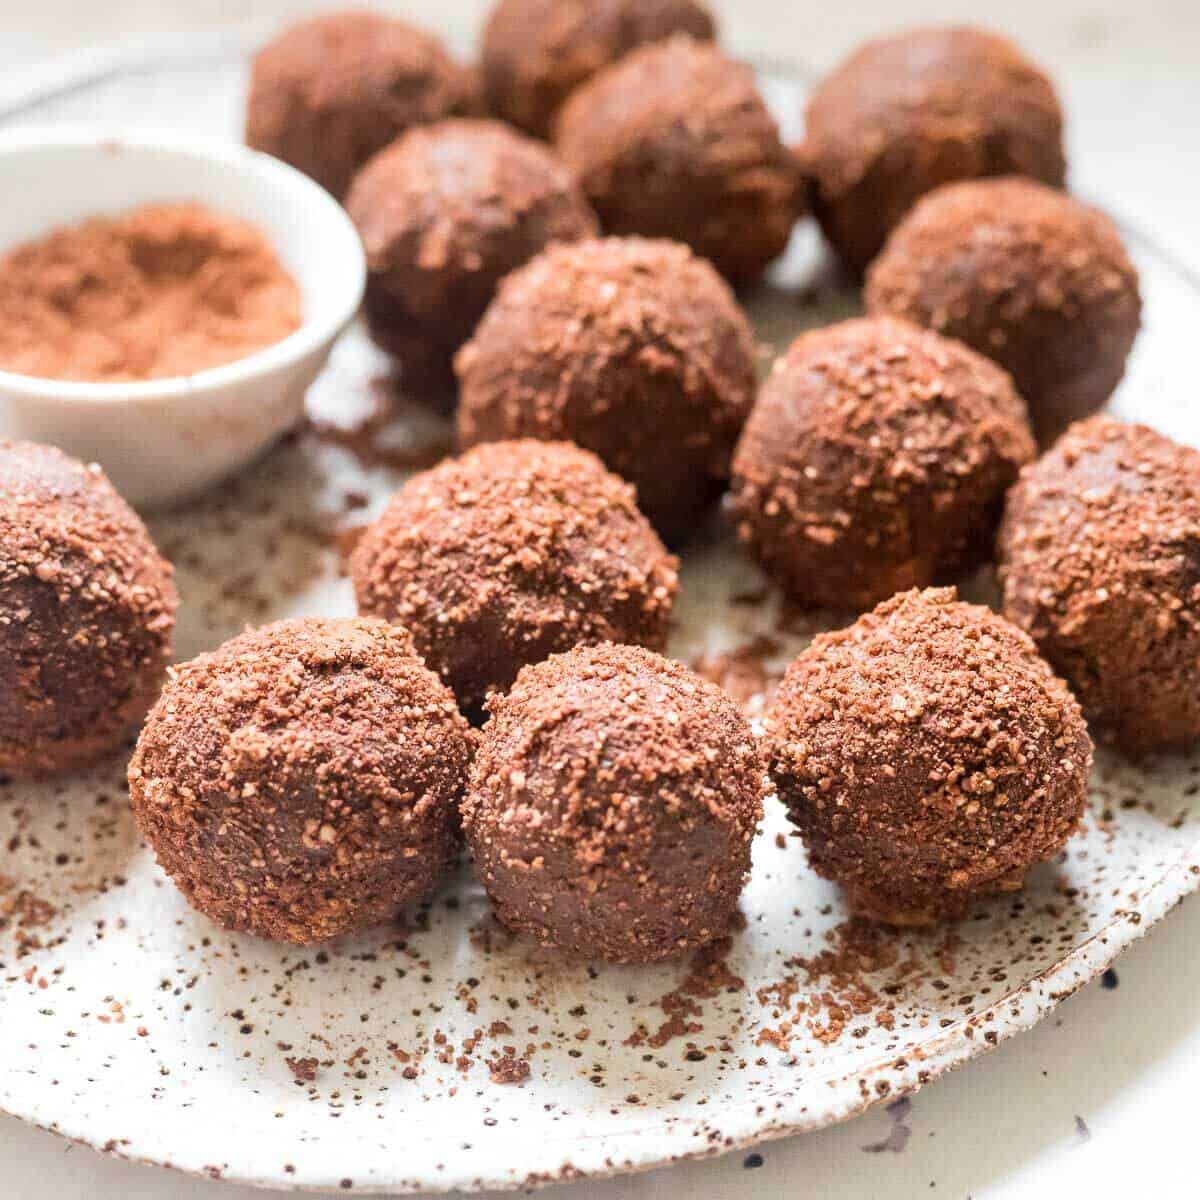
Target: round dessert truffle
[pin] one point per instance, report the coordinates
(1100, 563)
(329, 92)
(928, 757)
(445, 213)
(633, 349)
(876, 460)
(514, 552)
(674, 141)
(536, 52)
(300, 782)
(87, 612)
(612, 805)
(908, 113)
(1028, 276)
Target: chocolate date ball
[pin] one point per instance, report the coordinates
(536, 52)
(674, 141)
(87, 613)
(445, 213)
(329, 92)
(512, 553)
(301, 781)
(1100, 564)
(908, 113)
(1026, 275)
(876, 460)
(928, 757)
(612, 805)
(634, 349)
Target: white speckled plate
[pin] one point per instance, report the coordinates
(134, 1026)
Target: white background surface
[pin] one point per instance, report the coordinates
(1099, 1100)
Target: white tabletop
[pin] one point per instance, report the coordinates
(1097, 1101)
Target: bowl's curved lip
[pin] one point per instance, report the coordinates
(313, 333)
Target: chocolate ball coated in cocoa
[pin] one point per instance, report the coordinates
(909, 112)
(612, 805)
(876, 460)
(300, 782)
(329, 92)
(1100, 564)
(87, 612)
(928, 757)
(516, 551)
(633, 349)
(536, 52)
(1028, 276)
(674, 141)
(444, 213)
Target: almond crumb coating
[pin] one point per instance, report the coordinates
(910, 112)
(928, 757)
(1034, 279)
(511, 553)
(876, 460)
(675, 141)
(87, 612)
(612, 805)
(331, 90)
(300, 782)
(1100, 565)
(535, 53)
(633, 349)
(444, 213)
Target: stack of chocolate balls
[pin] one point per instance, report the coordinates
(553, 244)
(650, 130)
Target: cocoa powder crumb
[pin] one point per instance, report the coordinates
(304, 1069)
(23, 911)
(22, 908)
(507, 1068)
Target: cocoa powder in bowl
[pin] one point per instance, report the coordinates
(161, 291)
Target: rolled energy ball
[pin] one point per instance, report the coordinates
(634, 349)
(516, 551)
(444, 213)
(536, 52)
(876, 460)
(928, 757)
(612, 805)
(1026, 275)
(300, 782)
(1100, 563)
(908, 113)
(328, 93)
(674, 141)
(87, 612)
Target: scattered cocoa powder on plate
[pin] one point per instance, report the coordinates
(304, 1069)
(708, 976)
(507, 1068)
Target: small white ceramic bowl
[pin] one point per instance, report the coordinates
(163, 440)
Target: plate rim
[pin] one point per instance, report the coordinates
(947, 1050)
